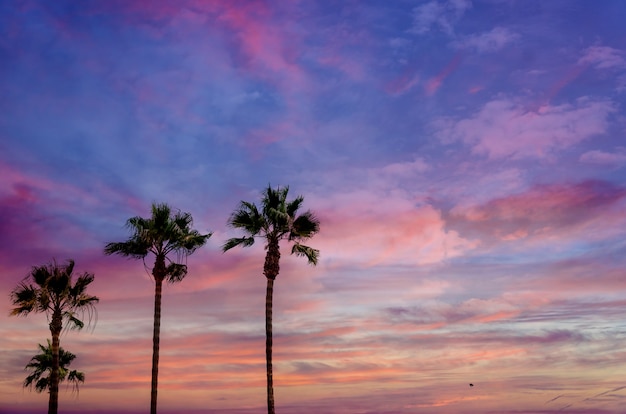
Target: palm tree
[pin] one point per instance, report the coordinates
(274, 221)
(48, 289)
(41, 364)
(164, 233)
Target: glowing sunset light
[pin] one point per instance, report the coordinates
(466, 160)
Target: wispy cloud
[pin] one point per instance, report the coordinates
(541, 210)
(616, 158)
(487, 42)
(603, 57)
(441, 15)
(505, 129)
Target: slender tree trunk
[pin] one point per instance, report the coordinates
(268, 345)
(270, 270)
(56, 325)
(159, 274)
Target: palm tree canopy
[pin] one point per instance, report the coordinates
(41, 365)
(166, 231)
(49, 289)
(274, 220)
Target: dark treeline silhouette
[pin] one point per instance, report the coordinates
(168, 235)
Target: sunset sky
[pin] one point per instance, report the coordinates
(466, 159)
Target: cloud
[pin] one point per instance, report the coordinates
(541, 211)
(617, 158)
(621, 83)
(266, 48)
(603, 57)
(440, 14)
(398, 231)
(470, 311)
(404, 82)
(487, 42)
(505, 129)
(608, 60)
(434, 83)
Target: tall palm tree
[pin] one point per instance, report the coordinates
(49, 289)
(41, 368)
(164, 234)
(275, 220)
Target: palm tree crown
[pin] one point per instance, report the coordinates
(277, 219)
(50, 291)
(163, 233)
(41, 367)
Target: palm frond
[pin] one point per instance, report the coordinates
(310, 253)
(248, 218)
(279, 219)
(25, 299)
(240, 241)
(161, 216)
(134, 247)
(40, 275)
(275, 208)
(40, 366)
(192, 240)
(73, 321)
(304, 226)
(176, 272)
(294, 206)
(273, 197)
(80, 286)
(74, 378)
(42, 384)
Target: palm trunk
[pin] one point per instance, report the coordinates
(159, 274)
(268, 345)
(270, 270)
(56, 325)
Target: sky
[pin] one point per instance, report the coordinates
(466, 160)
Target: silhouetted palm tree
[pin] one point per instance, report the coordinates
(41, 367)
(276, 220)
(48, 289)
(164, 233)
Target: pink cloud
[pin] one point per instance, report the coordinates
(603, 57)
(574, 280)
(266, 46)
(504, 129)
(616, 158)
(549, 203)
(433, 84)
(543, 210)
(369, 233)
(403, 83)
